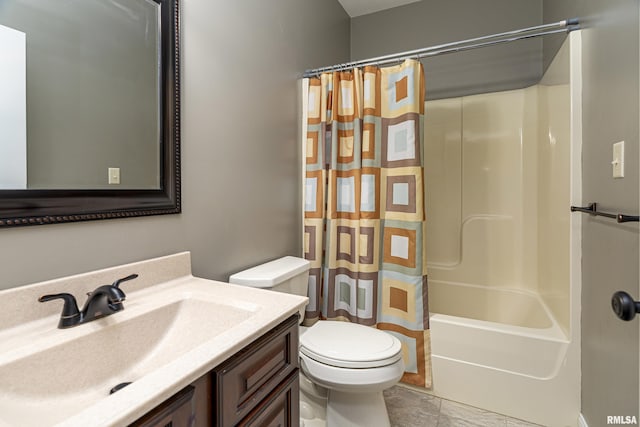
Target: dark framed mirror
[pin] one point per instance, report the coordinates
(96, 110)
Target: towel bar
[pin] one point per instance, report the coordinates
(592, 209)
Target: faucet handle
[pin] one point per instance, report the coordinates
(116, 284)
(69, 310)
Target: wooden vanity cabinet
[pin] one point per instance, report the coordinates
(256, 387)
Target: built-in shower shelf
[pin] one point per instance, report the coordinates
(592, 209)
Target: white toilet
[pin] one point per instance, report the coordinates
(345, 366)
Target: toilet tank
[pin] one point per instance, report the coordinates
(287, 274)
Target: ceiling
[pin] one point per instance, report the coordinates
(363, 7)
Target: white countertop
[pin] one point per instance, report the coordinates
(214, 321)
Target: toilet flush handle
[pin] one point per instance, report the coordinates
(624, 305)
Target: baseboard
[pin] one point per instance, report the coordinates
(582, 422)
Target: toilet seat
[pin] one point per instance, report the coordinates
(351, 379)
(349, 345)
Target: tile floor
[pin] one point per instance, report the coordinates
(411, 408)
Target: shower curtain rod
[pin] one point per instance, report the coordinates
(565, 26)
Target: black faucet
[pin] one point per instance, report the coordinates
(105, 300)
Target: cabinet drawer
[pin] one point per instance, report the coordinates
(245, 380)
(281, 409)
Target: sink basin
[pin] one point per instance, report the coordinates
(58, 381)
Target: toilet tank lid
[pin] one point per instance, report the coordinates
(271, 273)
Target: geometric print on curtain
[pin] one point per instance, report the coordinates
(364, 217)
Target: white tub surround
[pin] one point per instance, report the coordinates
(174, 329)
(504, 249)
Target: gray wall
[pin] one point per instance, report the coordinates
(609, 251)
(241, 200)
(432, 22)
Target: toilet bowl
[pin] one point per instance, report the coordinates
(344, 366)
(354, 363)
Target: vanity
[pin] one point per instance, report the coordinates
(196, 352)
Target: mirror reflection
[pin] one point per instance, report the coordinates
(83, 105)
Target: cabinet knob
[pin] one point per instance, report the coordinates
(624, 306)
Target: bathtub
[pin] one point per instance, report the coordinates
(500, 350)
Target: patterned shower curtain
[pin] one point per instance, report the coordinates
(364, 220)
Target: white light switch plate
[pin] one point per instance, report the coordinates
(114, 175)
(618, 160)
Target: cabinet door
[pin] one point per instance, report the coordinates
(177, 411)
(190, 407)
(280, 409)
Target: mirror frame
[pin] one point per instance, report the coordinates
(38, 207)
